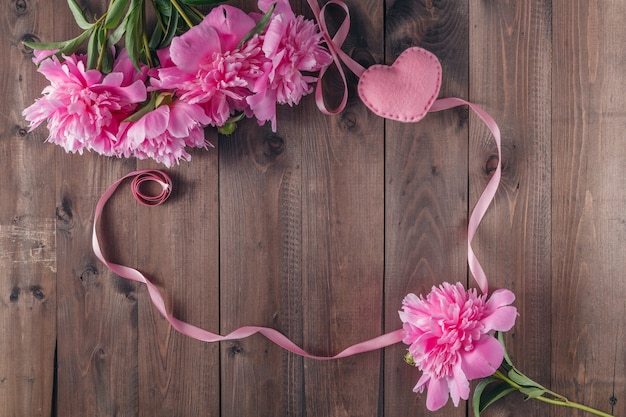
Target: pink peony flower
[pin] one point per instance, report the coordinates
(449, 334)
(208, 68)
(84, 108)
(164, 133)
(293, 45)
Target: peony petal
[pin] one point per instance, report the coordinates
(500, 298)
(230, 23)
(437, 395)
(156, 121)
(502, 320)
(189, 50)
(458, 385)
(274, 35)
(263, 104)
(484, 359)
(498, 314)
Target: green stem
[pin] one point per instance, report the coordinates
(144, 37)
(101, 56)
(182, 13)
(560, 400)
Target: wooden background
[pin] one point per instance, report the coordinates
(321, 229)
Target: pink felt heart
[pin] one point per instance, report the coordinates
(404, 91)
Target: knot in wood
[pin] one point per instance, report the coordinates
(15, 294)
(89, 276)
(235, 349)
(37, 292)
(21, 7)
(491, 164)
(349, 120)
(64, 214)
(275, 145)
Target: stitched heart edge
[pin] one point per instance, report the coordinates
(403, 56)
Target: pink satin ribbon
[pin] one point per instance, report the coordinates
(139, 178)
(334, 44)
(489, 192)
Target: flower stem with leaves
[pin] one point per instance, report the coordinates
(508, 379)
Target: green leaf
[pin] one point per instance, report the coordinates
(532, 392)
(484, 398)
(192, 13)
(79, 15)
(107, 61)
(507, 359)
(118, 33)
(170, 30)
(73, 44)
(46, 46)
(202, 2)
(115, 13)
(156, 37)
(259, 27)
(93, 50)
(478, 392)
(133, 32)
(521, 379)
(147, 108)
(163, 7)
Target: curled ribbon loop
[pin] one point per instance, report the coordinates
(334, 44)
(159, 177)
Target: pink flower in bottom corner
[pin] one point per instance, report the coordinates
(450, 338)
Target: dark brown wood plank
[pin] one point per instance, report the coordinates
(588, 200)
(97, 310)
(178, 250)
(27, 228)
(425, 186)
(343, 236)
(252, 176)
(510, 74)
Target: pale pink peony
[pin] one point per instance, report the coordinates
(206, 66)
(164, 133)
(450, 338)
(84, 108)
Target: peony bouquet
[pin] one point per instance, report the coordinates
(153, 97)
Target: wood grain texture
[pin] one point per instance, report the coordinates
(510, 72)
(321, 228)
(588, 200)
(179, 250)
(28, 254)
(425, 185)
(343, 238)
